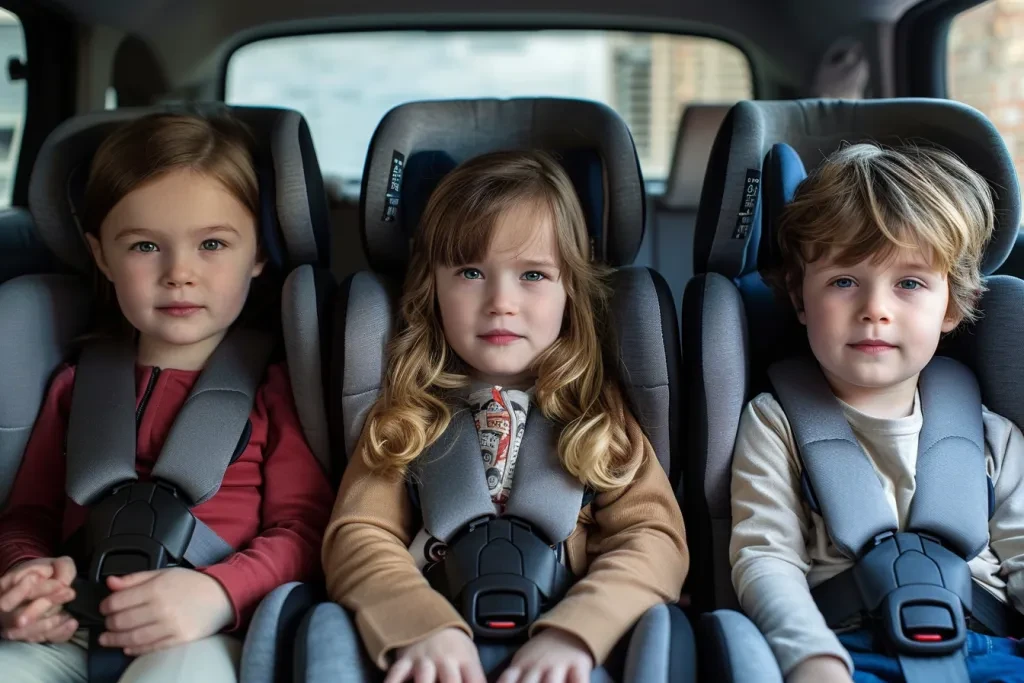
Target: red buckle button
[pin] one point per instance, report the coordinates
(927, 637)
(501, 624)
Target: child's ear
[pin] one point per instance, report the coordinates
(797, 300)
(257, 267)
(951, 321)
(97, 255)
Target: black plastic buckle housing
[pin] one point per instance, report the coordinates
(500, 575)
(140, 526)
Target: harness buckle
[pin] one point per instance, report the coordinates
(919, 590)
(924, 620)
(500, 576)
(139, 526)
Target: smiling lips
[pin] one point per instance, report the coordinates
(500, 337)
(180, 309)
(873, 346)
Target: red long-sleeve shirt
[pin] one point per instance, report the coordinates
(272, 505)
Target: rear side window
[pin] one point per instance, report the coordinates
(12, 103)
(345, 82)
(985, 67)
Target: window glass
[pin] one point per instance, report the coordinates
(985, 67)
(343, 83)
(12, 103)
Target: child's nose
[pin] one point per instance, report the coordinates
(875, 307)
(179, 272)
(503, 300)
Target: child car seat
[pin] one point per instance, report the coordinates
(46, 312)
(727, 306)
(413, 147)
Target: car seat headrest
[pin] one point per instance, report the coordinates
(697, 128)
(416, 144)
(815, 128)
(293, 206)
(783, 171)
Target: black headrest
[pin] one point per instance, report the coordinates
(816, 128)
(294, 220)
(416, 144)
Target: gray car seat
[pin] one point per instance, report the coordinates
(671, 216)
(734, 327)
(22, 252)
(44, 313)
(428, 139)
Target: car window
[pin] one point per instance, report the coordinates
(985, 67)
(12, 103)
(343, 83)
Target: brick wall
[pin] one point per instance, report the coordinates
(985, 67)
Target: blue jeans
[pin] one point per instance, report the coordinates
(989, 659)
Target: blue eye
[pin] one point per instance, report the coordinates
(908, 285)
(471, 273)
(145, 247)
(534, 276)
(844, 283)
(212, 245)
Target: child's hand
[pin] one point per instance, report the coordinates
(61, 569)
(448, 656)
(821, 669)
(552, 656)
(155, 610)
(31, 596)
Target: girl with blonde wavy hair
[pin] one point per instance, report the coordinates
(504, 313)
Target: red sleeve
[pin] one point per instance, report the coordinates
(30, 524)
(297, 501)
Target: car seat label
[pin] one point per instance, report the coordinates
(394, 188)
(748, 204)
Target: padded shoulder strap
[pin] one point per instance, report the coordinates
(205, 433)
(842, 478)
(451, 479)
(951, 497)
(101, 426)
(543, 493)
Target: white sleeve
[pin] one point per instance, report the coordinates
(1006, 528)
(768, 548)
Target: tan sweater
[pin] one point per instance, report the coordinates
(779, 548)
(629, 548)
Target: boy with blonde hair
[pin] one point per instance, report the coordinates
(880, 256)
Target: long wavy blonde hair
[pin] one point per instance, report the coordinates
(577, 386)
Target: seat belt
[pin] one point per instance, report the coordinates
(137, 526)
(916, 583)
(501, 573)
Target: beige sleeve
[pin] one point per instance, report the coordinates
(638, 559)
(1005, 444)
(370, 571)
(771, 530)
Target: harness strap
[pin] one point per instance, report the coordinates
(203, 438)
(842, 479)
(101, 440)
(452, 489)
(102, 423)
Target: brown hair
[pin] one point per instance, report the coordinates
(576, 385)
(146, 148)
(149, 146)
(866, 201)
